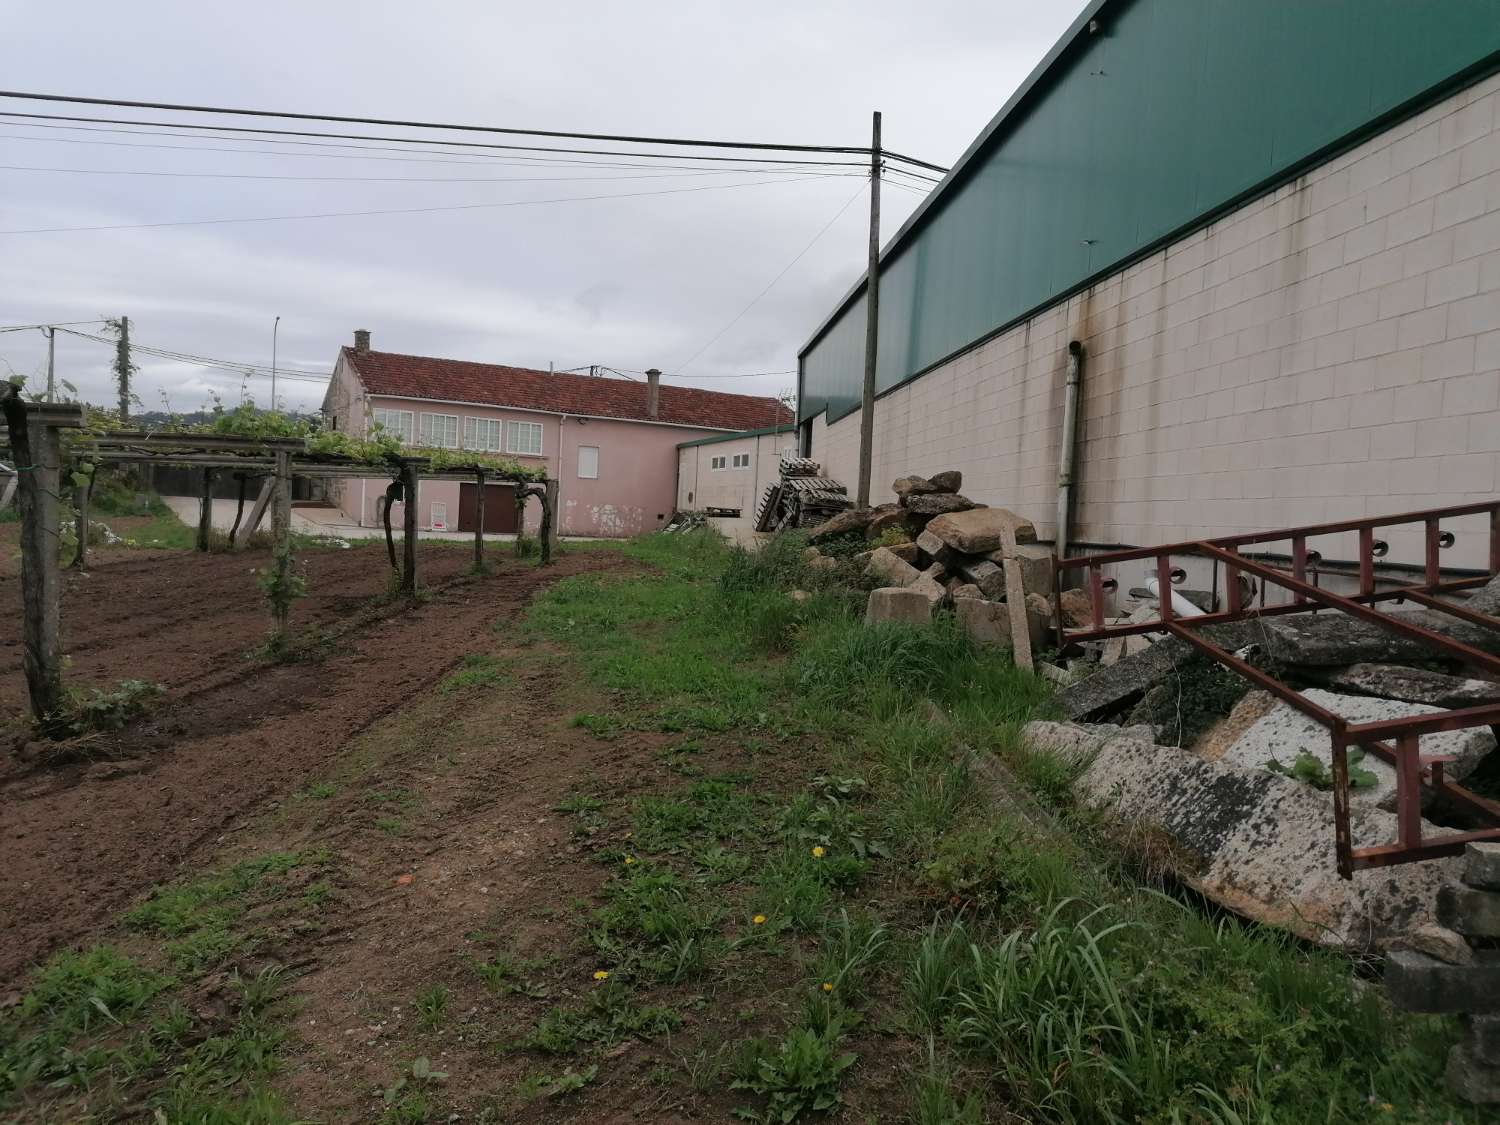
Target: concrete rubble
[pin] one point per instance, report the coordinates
(1260, 844)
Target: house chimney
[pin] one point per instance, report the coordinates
(361, 340)
(653, 392)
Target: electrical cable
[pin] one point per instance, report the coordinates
(403, 210)
(177, 107)
(771, 284)
(368, 137)
(394, 179)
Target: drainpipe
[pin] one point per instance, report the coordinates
(1069, 445)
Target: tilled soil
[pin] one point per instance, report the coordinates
(233, 734)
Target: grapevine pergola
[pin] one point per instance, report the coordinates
(41, 455)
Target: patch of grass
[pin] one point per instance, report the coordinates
(321, 790)
(432, 1006)
(478, 669)
(199, 917)
(609, 1016)
(801, 1075)
(657, 922)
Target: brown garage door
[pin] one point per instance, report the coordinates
(499, 507)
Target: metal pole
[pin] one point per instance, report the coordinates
(51, 374)
(872, 326)
(275, 328)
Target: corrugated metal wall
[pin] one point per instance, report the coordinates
(1176, 109)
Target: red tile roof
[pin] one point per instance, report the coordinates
(490, 384)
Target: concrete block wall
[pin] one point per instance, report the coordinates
(1328, 351)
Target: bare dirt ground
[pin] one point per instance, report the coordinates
(234, 734)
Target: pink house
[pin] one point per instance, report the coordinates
(610, 443)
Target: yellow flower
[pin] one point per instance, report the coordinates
(601, 974)
(827, 987)
(759, 920)
(818, 852)
(629, 860)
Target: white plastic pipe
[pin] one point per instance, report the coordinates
(1180, 605)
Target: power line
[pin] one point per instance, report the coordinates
(57, 324)
(756, 299)
(368, 137)
(395, 179)
(405, 210)
(230, 365)
(234, 111)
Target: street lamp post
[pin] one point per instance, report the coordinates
(275, 329)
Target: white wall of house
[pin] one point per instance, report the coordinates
(1328, 351)
(731, 473)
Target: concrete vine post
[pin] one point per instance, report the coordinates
(38, 454)
(549, 519)
(81, 494)
(281, 592)
(205, 508)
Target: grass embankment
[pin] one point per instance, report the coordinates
(860, 904)
(823, 903)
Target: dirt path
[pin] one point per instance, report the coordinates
(234, 736)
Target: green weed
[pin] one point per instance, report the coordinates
(801, 1075)
(432, 1007)
(478, 669)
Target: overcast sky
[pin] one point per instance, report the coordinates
(626, 282)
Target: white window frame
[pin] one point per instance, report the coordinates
(718, 464)
(740, 461)
(595, 474)
(483, 434)
(427, 423)
(405, 428)
(513, 430)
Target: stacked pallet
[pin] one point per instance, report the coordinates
(801, 498)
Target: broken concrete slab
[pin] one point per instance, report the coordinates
(1260, 844)
(1284, 732)
(937, 550)
(1112, 689)
(1416, 982)
(987, 623)
(960, 590)
(1077, 610)
(898, 604)
(1203, 599)
(1486, 599)
(1470, 1078)
(938, 503)
(1412, 685)
(1332, 638)
(1242, 716)
(981, 530)
(934, 591)
(888, 567)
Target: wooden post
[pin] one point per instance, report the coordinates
(257, 512)
(38, 454)
(479, 522)
(281, 535)
(242, 479)
(409, 528)
(81, 494)
(550, 519)
(206, 508)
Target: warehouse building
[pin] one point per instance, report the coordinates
(1272, 230)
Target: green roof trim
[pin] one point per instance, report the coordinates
(787, 429)
(1147, 120)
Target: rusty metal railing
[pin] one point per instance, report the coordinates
(1414, 771)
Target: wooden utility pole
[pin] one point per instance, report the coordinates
(872, 326)
(409, 527)
(38, 455)
(122, 367)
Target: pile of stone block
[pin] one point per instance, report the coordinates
(1454, 967)
(932, 547)
(800, 498)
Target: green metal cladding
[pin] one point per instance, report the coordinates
(1172, 112)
